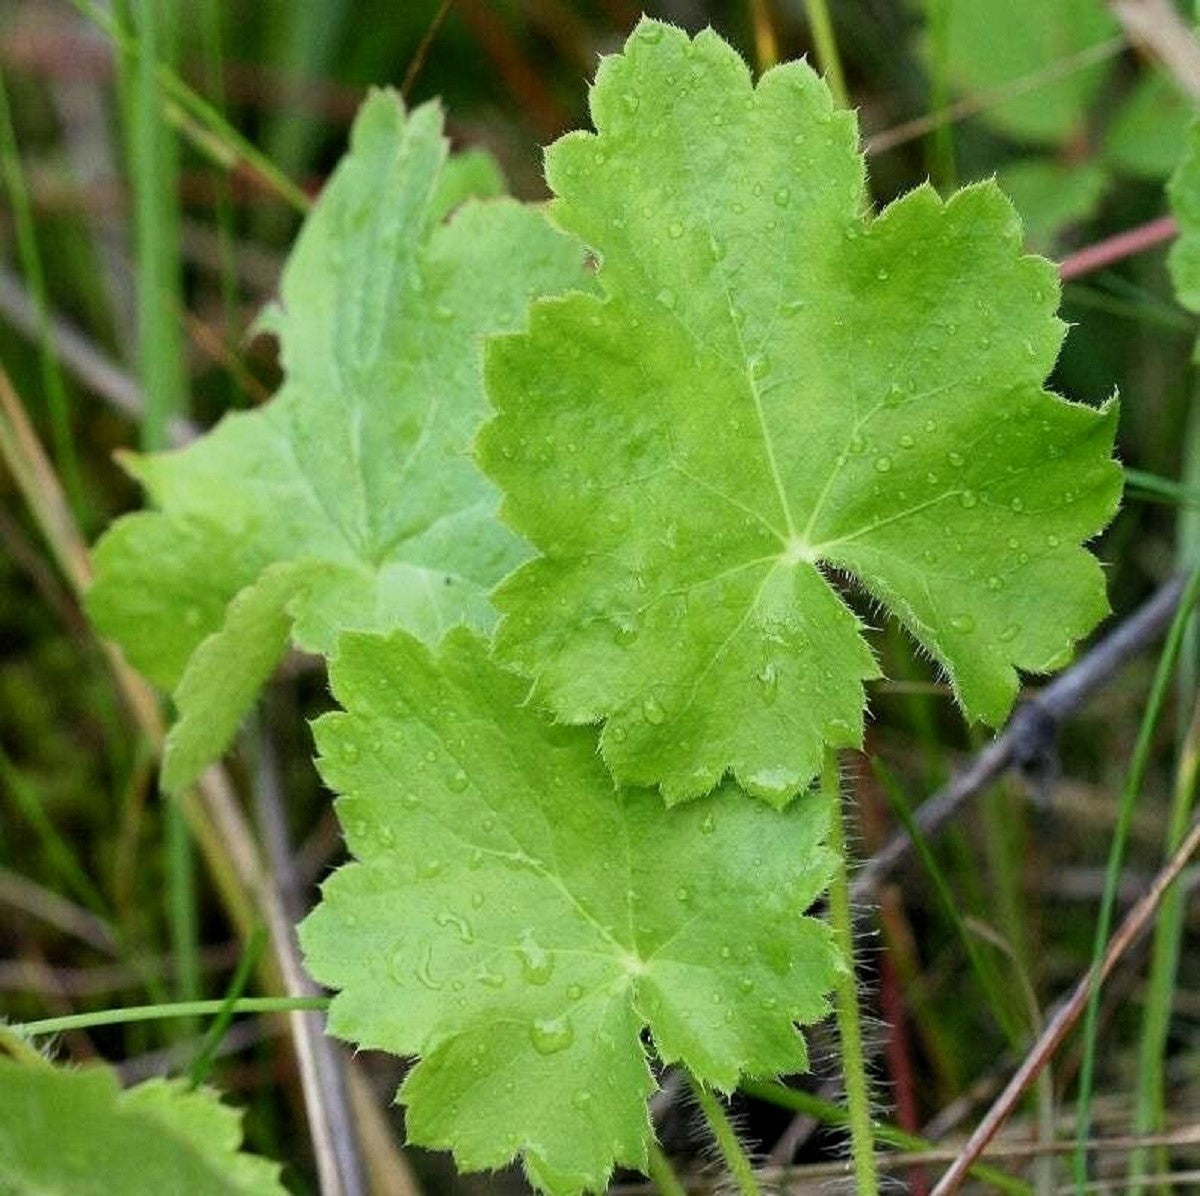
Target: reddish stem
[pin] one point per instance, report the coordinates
(1115, 249)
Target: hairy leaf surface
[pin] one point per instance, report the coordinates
(516, 922)
(76, 1131)
(774, 390)
(355, 478)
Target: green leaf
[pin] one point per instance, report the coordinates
(776, 391)
(1184, 193)
(354, 480)
(516, 922)
(1148, 134)
(1051, 196)
(75, 1131)
(1029, 42)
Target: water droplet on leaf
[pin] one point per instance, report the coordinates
(551, 1035)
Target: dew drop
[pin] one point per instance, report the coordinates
(667, 298)
(955, 459)
(906, 441)
(424, 973)
(429, 868)
(448, 920)
(654, 713)
(768, 680)
(857, 444)
(488, 978)
(882, 275)
(707, 825)
(632, 103)
(683, 893)
(1053, 541)
(994, 583)
(963, 624)
(477, 900)
(536, 963)
(193, 616)
(582, 1100)
(574, 991)
(458, 782)
(968, 499)
(675, 230)
(431, 756)
(618, 732)
(1009, 633)
(551, 1035)
(746, 984)
(1017, 504)
(387, 836)
(350, 753)
(782, 197)
(883, 464)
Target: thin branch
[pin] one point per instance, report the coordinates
(326, 1103)
(1029, 736)
(1157, 26)
(1059, 1026)
(1118, 247)
(981, 101)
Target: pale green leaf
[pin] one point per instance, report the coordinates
(75, 1131)
(357, 473)
(1184, 192)
(1028, 45)
(516, 922)
(776, 392)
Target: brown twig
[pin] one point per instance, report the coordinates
(1158, 27)
(1135, 923)
(1033, 723)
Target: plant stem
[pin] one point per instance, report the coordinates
(663, 1174)
(858, 1098)
(154, 1013)
(829, 1113)
(731, 1150)
(825, 44)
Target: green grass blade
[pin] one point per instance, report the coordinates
(1129, 795)
(65, 456)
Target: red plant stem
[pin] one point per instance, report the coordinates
(1115, 249)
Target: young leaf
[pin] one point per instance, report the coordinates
(775, 389)
(353, 484)
(516, 922)
(75, 1130)
(1184, 192)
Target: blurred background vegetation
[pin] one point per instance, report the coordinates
(138, 241)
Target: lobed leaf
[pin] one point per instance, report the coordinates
(516, 922)
(354, 480)
(75, 1130)
(774, 391)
